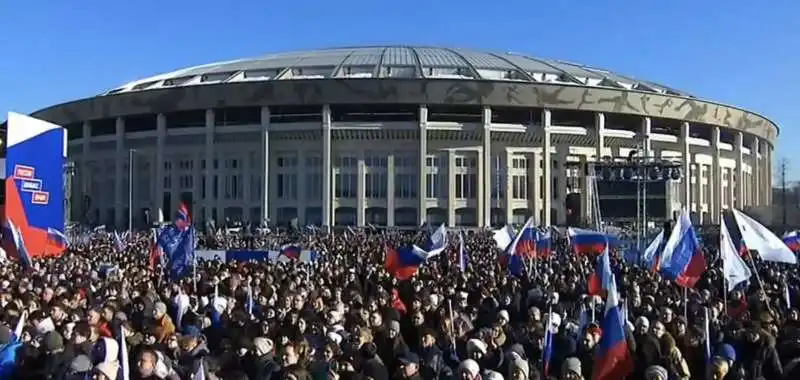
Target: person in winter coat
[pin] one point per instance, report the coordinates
(194, 351)
(432, 364)
(262, 364)
(153, 366)
(409, 367)
(164, 326)
(673, 360)
(758, 355)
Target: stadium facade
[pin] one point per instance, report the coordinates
(398, 135)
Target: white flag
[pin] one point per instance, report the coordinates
(734, 268)
(761, 239)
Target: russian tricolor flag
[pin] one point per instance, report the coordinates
(56, 237)
(544, 244)
(12, 232)
(602, 279)
(613, 360)
(586, 242)
(403, 262)
(183, 220)
(792, 240)
(524, 245)
(682, 260)
(291, 251)
(156, 253)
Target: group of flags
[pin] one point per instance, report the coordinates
(403, 262)
(517, 248)
(677, 254)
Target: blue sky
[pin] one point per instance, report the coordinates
(738, 52)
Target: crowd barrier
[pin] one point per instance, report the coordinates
(272, 255)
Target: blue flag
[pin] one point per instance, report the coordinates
(8, 359)
(182, 257)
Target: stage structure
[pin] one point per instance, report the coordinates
(621, 175)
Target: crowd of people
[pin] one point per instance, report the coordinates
(345, 317)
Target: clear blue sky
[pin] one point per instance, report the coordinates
(738, 52)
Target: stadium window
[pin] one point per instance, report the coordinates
(215, 187)
(520, 187)
(375, 185)
(346, 185)
(313, 186)
(405, 186)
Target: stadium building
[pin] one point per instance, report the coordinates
(399, 135)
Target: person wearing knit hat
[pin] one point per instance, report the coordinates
(469, 369)
(80, 366)
(164, 326)
(656, 372)
(519, 369)
(571, 369)
(106, 371)
(263, 346)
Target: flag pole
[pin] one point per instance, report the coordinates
(452, 322)
(725, 294)
(686, 303)
(758, 278)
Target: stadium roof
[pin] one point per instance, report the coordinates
(396, 62)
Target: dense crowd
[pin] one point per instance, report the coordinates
(344, 317)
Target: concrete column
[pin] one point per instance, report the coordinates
(686, 168)
(390, 173)
(246, 170)
(732, 200)
(715, 193)
(644, 137)
(264, 165)
(548, 162)
(120, 156)
(767, 173)
(737, 186)
(157, 212)
(327, 183)
(599, 135)
(301, 188)
(702, 198)
(196, 183)
(561, 189)
(422, 208)
(174, 189)
(451, 188)
(361, 191)
(209, 202)
(486, 181)
(85, 172)
(586, 184)
(509, 187)
(538, 201)
(756, 166)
